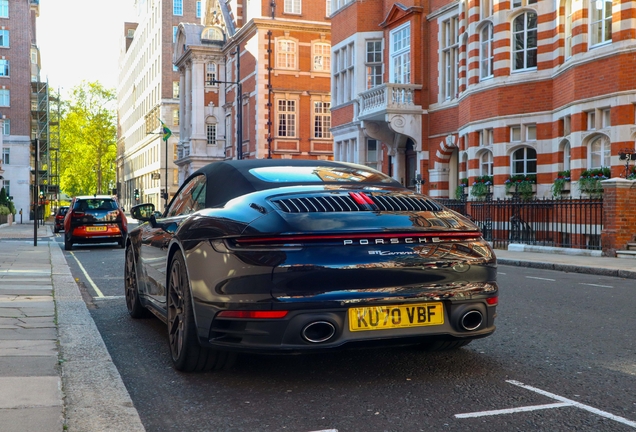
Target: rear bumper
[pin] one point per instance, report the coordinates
(290, 334)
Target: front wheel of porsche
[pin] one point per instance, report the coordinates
(131, 287)
(187, 354)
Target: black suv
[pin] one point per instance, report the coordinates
(95, 219)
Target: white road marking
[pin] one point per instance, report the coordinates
(512, 410)
(110, 297)
(501, 273)
(564, 402)
(596, 285)
(575, 403)
(90, 281)
(532, 277)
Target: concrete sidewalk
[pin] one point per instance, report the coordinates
(55, 371)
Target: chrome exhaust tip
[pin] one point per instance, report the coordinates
(471, 320)
(318, 331)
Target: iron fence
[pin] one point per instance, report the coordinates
(569, 223)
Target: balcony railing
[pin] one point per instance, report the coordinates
(388, 97)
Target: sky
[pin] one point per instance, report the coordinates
(80, 40)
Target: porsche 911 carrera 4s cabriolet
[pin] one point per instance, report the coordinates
(298, 256)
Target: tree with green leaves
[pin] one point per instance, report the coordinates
(88, 140)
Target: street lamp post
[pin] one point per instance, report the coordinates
(239, 107)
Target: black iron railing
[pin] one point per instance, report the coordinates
(569, 223)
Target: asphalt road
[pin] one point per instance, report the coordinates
(563, 358)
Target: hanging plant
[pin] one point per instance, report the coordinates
(523, 184)
(590, 180)
(563, 178)
(481, 186)
(460, 191)
(632, 173)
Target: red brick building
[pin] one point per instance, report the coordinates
(255, 82)
(449, 90)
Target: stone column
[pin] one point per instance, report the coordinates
(619, 215)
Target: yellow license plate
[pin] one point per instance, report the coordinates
(391, 317)
(96, 228)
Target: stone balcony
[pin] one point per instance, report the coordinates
(388, 98)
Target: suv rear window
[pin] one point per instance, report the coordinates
(95, 204)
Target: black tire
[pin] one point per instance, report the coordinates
(55, 230)
(122, 242)
(68, 243)
(444, 345)
(187, 353)
(131, 287)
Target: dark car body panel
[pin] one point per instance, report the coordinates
(306, 249)
(59, 218)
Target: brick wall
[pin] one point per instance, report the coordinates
(619, 223)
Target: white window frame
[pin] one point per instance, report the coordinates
(400, 55)
(567, 125)
(293, 7)
(373, 147)
(450, 57)
(373, 62)
(568, 29)
(321, 57)
(211, 131)
(210, 74)
(4, 38)
(486, 56)
(591, 120)
(198, 9)
(4, 68)
(177, 7)
(287, 110)
(321, 119)
(567, 155)
(486, 8)
(6, 156)
(606, 118)
(600, 23)
(328, 8)
(5, 97)
(7, 187)
(602, 155)
(4, 8)
(286, 54)
(175, 117)
(520, 3)
(342, 82)
(175, 89)
(486, 163)
(525, 160)
(174, 33)
(515, 130)
(527, 34)
(6, 127)
(486, 137)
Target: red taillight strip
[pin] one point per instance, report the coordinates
(252, 314)
(492, 300)
(300, 238)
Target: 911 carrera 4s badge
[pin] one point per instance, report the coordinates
(391, 317)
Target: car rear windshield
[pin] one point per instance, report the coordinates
(319, 174)
(95, 204)
(63, 210)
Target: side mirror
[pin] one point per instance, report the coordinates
(143, 212)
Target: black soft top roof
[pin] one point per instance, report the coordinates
(232, 178)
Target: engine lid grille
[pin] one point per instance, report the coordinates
(352, 203)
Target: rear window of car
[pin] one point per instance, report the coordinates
(95, 204)
(63, 210)
(318, 174)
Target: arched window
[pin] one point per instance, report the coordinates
(485, 163)
(599, 152)
(524, 161)
(485, 53)
(566, 155)
(600, 21)
(524, 41)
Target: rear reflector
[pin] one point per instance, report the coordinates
(253, 314)
(492, 300)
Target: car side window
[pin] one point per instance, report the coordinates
(190, 198)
